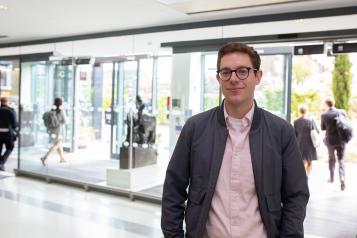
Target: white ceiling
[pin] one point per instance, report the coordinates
(26, 20)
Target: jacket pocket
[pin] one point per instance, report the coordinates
(275, 209)
(193, 211)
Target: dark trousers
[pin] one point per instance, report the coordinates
(9, 146)
(340, 151)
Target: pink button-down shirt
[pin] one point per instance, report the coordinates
(234, 209)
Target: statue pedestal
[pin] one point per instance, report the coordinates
(135, 179)
(141, 157)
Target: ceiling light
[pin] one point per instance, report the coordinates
(301, 21)
(204, 6)
(3, 7)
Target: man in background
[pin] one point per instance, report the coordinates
(333, 141)
(8, 126)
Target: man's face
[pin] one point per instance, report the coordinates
(235, 90)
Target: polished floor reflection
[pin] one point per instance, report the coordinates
(33, 208)
(85, 166)
(36, 209)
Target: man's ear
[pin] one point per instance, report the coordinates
(258, 77)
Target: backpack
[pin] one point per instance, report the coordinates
(50, 120)
(344, 128)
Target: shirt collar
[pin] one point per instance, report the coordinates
(246, 120)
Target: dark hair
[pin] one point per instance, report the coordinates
(329, 102)
(236, 47)
(58, 102)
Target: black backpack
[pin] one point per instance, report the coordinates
(344, 128)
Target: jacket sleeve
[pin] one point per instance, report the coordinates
(294, 192)
(323, 126)
(314, 126)
(14, 125)
(13, 121)
(296, 132)
(175, 185)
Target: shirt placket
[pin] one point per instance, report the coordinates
(235, 180)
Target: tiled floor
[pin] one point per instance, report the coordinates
(31, 208)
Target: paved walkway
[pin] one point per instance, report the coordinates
(331, 212)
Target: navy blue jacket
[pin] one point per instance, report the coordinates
(7, 121)
(192, 173)
(328, 123)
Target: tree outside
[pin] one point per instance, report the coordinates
(309, 85)
(341, 81)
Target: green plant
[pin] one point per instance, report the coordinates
(301, 72)
(211, 101)
(162, 111)
(273, 100)
(311, 99)
(341, 81)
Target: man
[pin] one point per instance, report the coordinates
(8, 126)
(241, 164)
(333, 141)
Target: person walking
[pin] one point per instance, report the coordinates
(333, 141)
(237, 165)
(303, 127)
(54, 121)
(8, 128)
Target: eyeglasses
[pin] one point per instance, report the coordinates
(242, 73)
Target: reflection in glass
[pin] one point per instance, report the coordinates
(211, 86)
(9, 87)
(270, 93)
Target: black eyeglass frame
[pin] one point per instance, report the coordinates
(236, 72)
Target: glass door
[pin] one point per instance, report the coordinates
(92, 125)
(63, 80)
(125, 90)
(270, 93)
(274, 91)
(211, 91)
(34, 101)
(125, 83)
(9, 88)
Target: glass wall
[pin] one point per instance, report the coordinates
(145, 80)
(103, 111)
(164, 69)
(35, 100)
(62, 77)
(270, 94)
(211, 96)
(9, 87)
(97, 99)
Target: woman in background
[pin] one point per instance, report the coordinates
(303, 127)
(55, 130)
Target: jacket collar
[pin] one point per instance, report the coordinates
(256, 116)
